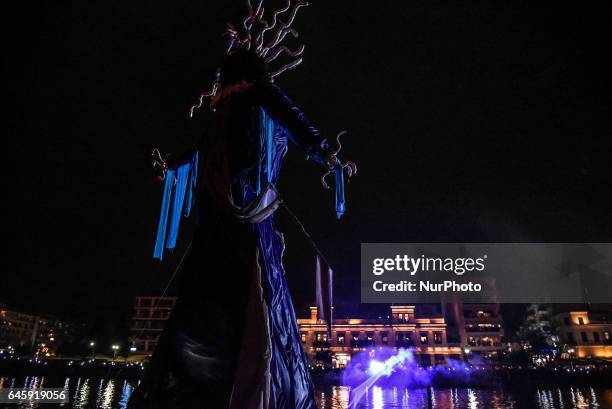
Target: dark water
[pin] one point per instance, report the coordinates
(98, 393)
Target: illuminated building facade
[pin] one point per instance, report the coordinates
(32, 333)
(17, 329)
(476, 327)
(586, 334)
(351, 335)
(52, 333)
(150, 315)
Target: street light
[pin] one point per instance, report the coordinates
(92, 345)
(467, 354)
(115, 349)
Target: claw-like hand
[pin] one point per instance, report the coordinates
(159, 164)
(334, 164)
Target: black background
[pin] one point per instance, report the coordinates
(487, 122)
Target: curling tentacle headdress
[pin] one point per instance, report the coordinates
(264, 38)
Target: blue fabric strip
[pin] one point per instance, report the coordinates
(266, 148)
(177, 204)
(340, 205)
(192, 183)
(178, 188)
(158, 253)
(269, 137)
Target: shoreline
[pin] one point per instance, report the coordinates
(479, 378)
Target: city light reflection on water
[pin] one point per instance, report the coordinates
(114, 394)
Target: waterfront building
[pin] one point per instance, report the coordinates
(476, 327)
(402, 329)
(17, 329)
(148, 320)
(41, 335)
(52, 333)
(585, 334)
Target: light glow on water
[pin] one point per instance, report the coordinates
(377, 398)
(83, 394)
(108, 395)
(473, 400)
(125, 395)
(116, 394)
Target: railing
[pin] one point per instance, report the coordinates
(404, 344)
(362, 343)
(483, 329)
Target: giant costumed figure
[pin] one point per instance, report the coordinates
(232, 340)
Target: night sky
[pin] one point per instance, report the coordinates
(469, 124)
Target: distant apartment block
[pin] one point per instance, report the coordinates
(44, 334)
(17, 329)
(52, 333)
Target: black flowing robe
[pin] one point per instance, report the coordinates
(232, 340)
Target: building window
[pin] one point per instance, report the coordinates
(486, 341)
(370, 336)
(606, 337)
(423, 337)
(355, 343)
(384, 338)
(570, 338)
(580, 321)
(425, 360)
(596, 337)
(437, 337)
(584, 337)
(566, 320)
(303, 337)
(402, 317)
(340, 360)
(340, 339)
(321, 336)
(439, 360)
(472, 341)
